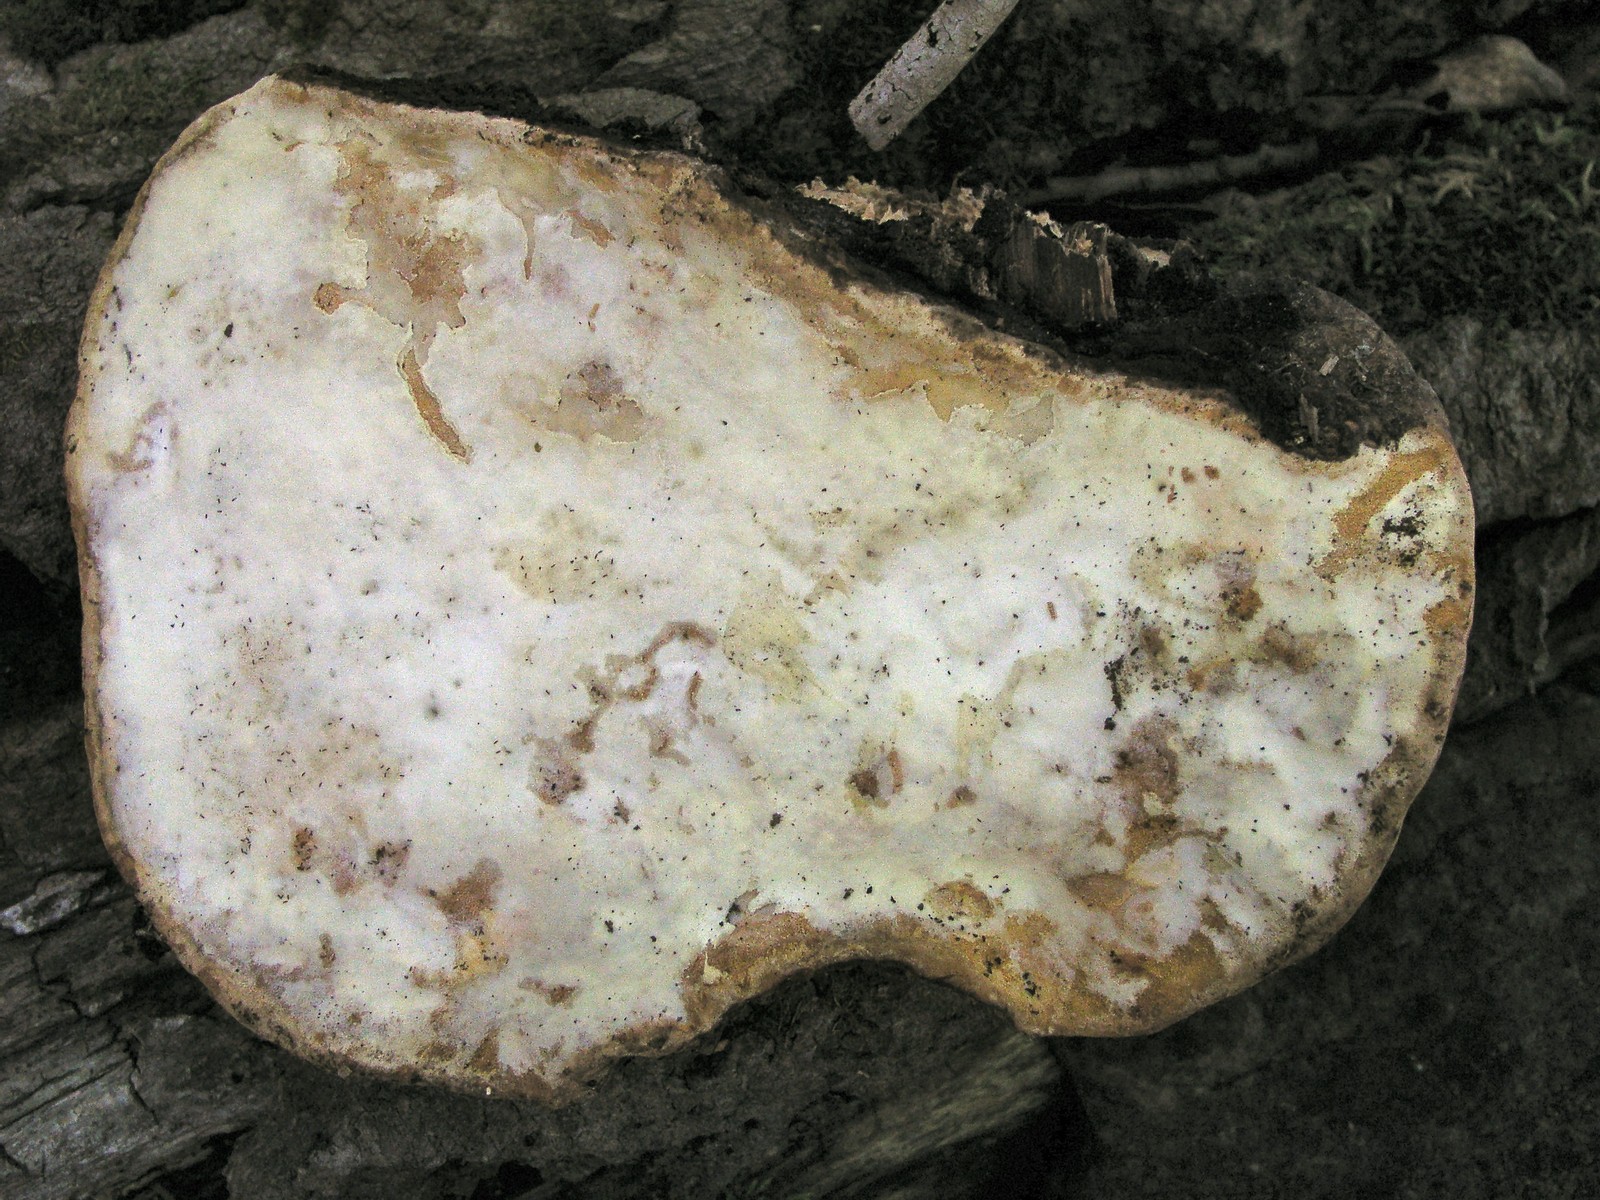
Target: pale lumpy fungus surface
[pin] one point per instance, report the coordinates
(534, 603)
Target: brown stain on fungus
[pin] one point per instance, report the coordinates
(343, 876)
(1351, 522)
(593, 402)
(989, 378)
(1278, 646)
(388, 860)
(1275, 647)
(1242, 603)
(865, 784)
(141, 451)
(431, 269)
(1155, 644)
(686, 631)
(467, 900)
(486, 1058)
(590, 229)
(1453, 614)
(430, 981)
(558, 994)
(1446, 616)
(554, 775)
(1150, 832)
(662, 743)
(1146, 765)
(1236, 571)
(468, 907)
(328, 297)
(436, 1051)
(303, 845)
(1106, 891)
(1146, 771)
(642, 687)
(879, 776)
(961, 797)
(1189, 975)
(414, 273)
(959, 900)
(429, 409)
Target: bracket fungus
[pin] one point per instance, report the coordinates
(536, 600)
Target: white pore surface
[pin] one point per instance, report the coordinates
(489, 722)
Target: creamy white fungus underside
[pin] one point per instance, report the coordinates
(509, 580)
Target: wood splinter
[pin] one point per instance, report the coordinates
(923, 67)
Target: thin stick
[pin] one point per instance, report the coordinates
(925, 66)
(1154, 181)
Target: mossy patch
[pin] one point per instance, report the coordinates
(146, 98)
(48, 31)
(1497, 219)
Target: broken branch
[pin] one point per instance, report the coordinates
(923, 67)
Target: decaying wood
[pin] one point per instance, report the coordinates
(1064, 274)
(978, 246)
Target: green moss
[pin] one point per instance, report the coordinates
(1499, 219)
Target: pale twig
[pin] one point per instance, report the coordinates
(925, 66)
(1152, 181)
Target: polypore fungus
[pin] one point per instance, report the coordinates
(536, 601)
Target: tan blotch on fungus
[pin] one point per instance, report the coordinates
(534, 603)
